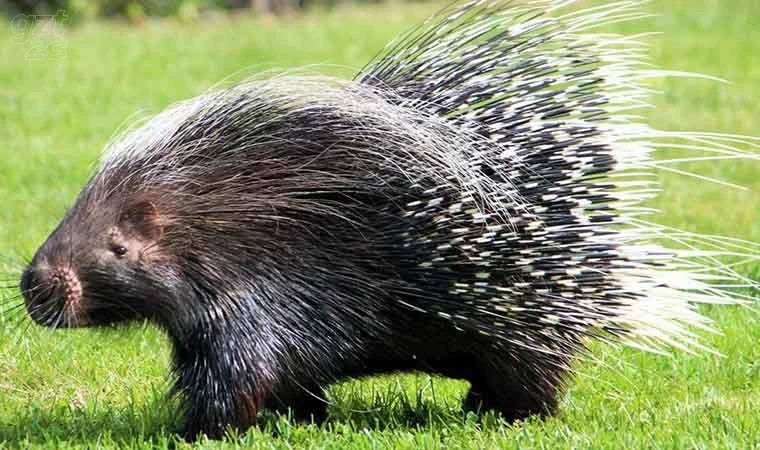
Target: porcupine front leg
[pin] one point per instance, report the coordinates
(217, 389)
(515, 388)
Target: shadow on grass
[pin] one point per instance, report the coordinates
(108, 426)
(152, 423)
(393, 405)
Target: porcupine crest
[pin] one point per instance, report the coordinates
(483, 172)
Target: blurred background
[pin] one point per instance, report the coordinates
(137, 10)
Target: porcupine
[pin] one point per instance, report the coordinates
(469, 205)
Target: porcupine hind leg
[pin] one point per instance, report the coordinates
(515, 388)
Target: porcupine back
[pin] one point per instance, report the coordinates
(558, 249)
(483, 170)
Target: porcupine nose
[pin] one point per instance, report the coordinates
(27, 281)
(46, 291)
(34, 286)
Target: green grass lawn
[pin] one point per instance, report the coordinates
(104, 388)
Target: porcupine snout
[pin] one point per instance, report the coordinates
(49, 293)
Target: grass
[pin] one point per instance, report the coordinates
(105, 388)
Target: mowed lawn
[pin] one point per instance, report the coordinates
(87, 388)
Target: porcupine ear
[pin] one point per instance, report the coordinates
(143, 219)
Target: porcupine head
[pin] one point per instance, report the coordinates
(449, 210)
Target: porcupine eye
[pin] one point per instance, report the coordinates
(119, 250)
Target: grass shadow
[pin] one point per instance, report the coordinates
(394, 402)
(386, 404)
(106, 425)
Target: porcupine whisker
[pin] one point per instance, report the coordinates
(12, 312)
(18, 329)
(18, 324)
(57, 319)
(13, 298)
